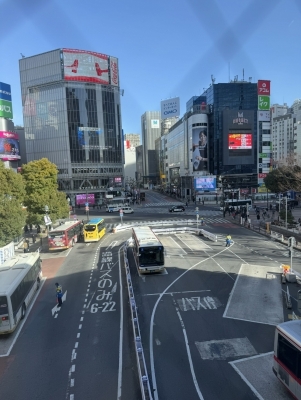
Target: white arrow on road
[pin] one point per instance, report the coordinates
(56, 309)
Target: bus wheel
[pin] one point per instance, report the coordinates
(23, 311)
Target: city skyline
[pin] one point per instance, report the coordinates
(159, 60)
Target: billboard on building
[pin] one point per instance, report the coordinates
(170, 108)
(86, 66)
(238, 137)
(6, 109)
(5, 91)
(263, 102)
(263, 87)
(200, 149)
(205, 183)
(85, 198)
(264, 116)
(114, 78)
(155, 123)
(9, 146)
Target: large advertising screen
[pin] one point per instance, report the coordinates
(238, 141)
(199, 149)
(86, 66)
(9, 146)
(85, 198)
(205, 183)
(239, 133)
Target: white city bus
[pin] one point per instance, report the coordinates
(148, 250)
(287, 356)
(236, 203)
(19, 280)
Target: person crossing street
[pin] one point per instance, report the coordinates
(228, 240)
(59, 294)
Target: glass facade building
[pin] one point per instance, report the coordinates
(237, 97)
(72, 116)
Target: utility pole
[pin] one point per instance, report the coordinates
(286, 213)
(291, 242)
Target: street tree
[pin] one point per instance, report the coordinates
(284, 178)
(41, 186)
(12, 213)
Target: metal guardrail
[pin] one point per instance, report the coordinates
(142, 371)
(163, 231)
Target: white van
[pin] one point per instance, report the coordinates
(127, 210)
(112, 208)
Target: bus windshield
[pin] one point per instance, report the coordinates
(56, 234)
(3, 305)
(151, 255)
(90, 228)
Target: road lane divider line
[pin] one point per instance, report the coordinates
(151, 340)
(184, 291)
(197, 388)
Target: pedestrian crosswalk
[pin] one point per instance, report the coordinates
(148, 209)
(173, 221)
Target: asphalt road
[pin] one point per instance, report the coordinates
(84, 350)
(194, 332)
(202, 322)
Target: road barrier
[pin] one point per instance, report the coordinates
(277, 235)
(142, 371)
(162, 231)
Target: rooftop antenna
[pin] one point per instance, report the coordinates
(235, 78)
(22, 55)
(212, 79)
(250, 78)
(243, 74)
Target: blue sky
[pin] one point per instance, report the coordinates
(165, 48)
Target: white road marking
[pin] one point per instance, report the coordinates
(71, 382)
(189, 358)
(151, 340)
(78, 335)
(171, 293)
(158, 342)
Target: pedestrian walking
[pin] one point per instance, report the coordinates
(33, 236)
(59, 294)
(25, 246)
(203, 201)
(228, 240)
(186, 204)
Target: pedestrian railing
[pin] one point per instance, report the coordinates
(142, 371)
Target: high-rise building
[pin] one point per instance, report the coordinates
(233, 131)
(131, 141)
(150, 131)
(72, 116)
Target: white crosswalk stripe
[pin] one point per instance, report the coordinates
(175, 221)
